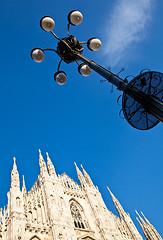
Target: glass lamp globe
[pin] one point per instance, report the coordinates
(75, 17)
(60, 77)
(37, 54)
(94, 44)
(84, 69)
(47, 23)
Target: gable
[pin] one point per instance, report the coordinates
(69, 182)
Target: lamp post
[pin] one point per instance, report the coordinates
(142, 100)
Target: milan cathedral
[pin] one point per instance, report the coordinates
(57, 208)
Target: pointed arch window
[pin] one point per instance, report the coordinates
(77, 216)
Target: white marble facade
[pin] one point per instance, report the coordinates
(57, 208)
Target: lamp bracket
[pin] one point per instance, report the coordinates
(67, 46)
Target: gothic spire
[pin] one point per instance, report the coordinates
(141, 219)
(130, 227)
(145, 218)
(43, 168)
(15, 182)
(117, 205)
(51, 168)
(148, 228)
(142, 227)
(80, 176)
(24, 187)
(87, 178)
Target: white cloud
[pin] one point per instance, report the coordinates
(127, 26)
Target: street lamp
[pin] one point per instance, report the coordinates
(142, 100)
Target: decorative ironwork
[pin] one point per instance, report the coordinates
(150, 83)
(122, 70)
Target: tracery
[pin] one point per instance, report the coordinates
(76, 215)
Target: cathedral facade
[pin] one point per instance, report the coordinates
(57, 208)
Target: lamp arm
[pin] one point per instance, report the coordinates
(54, 35)
(49, 49)
(68, 28)
(59, 65)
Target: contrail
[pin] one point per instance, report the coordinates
(127, 26)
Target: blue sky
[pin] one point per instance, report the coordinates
(79, 122)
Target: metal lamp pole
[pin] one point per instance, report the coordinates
(152, 104)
